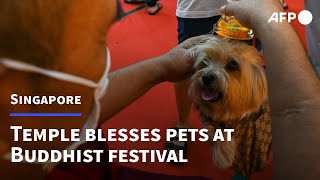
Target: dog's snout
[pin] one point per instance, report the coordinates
(207, 79)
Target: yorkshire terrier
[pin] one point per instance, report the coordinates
(229, 89)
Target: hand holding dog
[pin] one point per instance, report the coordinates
(282, 46)
(251, 13)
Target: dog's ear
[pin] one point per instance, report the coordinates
(259, 81)
(196, 52)
(258, 76)
(204, 48)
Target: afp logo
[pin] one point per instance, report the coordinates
(304, 17)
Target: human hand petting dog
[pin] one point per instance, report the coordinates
(178, 63)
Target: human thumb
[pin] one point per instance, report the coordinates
(229, 9)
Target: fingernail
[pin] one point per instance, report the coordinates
(223, 9)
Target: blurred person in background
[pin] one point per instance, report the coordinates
(154, 6)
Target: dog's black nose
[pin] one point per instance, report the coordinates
(207, 79)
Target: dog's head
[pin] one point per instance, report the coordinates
(229, 80)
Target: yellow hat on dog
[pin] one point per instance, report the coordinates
(229, 27)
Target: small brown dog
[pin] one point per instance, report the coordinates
(229, 88)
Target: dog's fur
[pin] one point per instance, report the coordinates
(241, 85)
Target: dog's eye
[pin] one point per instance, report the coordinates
(232, 65)
(203, 64)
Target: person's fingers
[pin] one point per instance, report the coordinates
(223, 10)
(229, 9)
(194, 40)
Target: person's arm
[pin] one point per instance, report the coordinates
(128, 84)
(294, 91)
